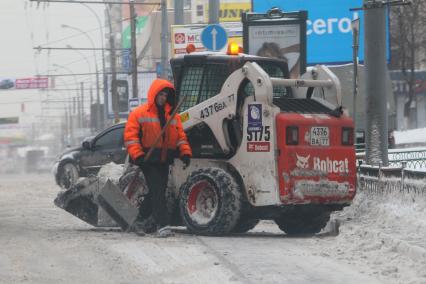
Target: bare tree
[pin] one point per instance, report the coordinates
(408, 40)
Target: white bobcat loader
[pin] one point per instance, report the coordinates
(264, 146)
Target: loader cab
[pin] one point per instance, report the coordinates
(201, 77)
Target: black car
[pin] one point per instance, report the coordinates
(106, 147)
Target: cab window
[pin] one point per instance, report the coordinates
(190, 86)
(200, 83)
(273, 71)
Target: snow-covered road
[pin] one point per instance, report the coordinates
(40, 243)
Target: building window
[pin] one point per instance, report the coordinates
(200, 10)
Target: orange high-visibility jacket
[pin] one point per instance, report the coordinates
(143, 127)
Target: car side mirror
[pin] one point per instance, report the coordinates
(86, 145)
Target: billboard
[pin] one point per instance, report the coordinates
(24, 83)
(229, 10)
(277, 34)
(232, 11)
(328, 27)
(182, 35)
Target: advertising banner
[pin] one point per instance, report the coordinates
(24, 83)
(280, 35)
(277, 41)
(329, 33)
(182, 35)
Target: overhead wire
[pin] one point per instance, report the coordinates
(79, 34)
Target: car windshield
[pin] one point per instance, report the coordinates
(111, 139)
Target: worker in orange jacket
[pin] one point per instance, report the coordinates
(143, 127)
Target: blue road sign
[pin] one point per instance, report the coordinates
(328, 30)
(133, 103)
(214, 37)
(126, 63)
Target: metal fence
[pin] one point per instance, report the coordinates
(389, 180)
(406, 173)
(410, 159)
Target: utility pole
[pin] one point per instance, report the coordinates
(355, 48)
(133, 18)
(179, 13)
(114, 95)
(65, 130)
(164, 39)
(79, 112)
(71, 124)
(214, 11)
(82, 103)
(90, 110)
(376, 132)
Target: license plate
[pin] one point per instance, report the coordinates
(320, 136)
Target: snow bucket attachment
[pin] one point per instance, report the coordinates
(110, 199)
(117, 205)
(79, 201)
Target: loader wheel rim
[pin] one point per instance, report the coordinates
(202, 204)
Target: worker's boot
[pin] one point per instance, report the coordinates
(164, 232)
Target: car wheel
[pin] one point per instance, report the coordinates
(68, 175)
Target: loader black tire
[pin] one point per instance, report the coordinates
(244, 225)
(301, 222)
(210, 202)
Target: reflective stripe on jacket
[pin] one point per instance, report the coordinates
(143, 127)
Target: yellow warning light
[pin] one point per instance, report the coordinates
(234, 49)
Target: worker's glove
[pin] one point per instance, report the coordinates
(140, 161)
(186, 160)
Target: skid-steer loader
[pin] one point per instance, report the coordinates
(264, 146)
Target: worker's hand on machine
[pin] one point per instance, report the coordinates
(186, 161)
(140, 161)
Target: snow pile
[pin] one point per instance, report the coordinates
(413, 136)
(388, 235)
(111, 171)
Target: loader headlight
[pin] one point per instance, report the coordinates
(292, 135)
(347, 136)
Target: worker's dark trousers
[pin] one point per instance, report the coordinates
(156, 176)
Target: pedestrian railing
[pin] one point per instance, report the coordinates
(406, 173)
(411, 158)
(383, 180)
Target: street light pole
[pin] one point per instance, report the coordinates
(133, 49)
(69, 120)
(98, 99)
(164, 39)
(114, 95)
(214, 11)
(95, 57)
(90, 71)
(76, 84)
